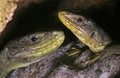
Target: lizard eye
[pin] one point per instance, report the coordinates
(92, 35)
(34, 39)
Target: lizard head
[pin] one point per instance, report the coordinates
(85, 30)
(32, 48)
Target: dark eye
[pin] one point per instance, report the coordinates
(92, 35)
(34, 39)
(79, 20)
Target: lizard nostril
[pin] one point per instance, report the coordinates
(92, 35)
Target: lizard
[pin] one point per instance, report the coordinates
(85, 30)
(29, 49)
(89, 34)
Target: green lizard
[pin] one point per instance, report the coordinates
(29, 49)
(85, 30)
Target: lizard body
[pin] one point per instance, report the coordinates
(29, 49)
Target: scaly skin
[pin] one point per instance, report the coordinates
(92, 36)
(28, 49)
(85, 30)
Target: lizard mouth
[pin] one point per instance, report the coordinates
(99, 48)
